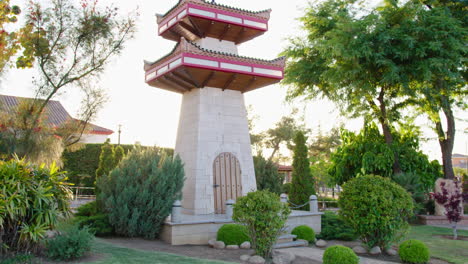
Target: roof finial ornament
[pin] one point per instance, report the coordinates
(213, 1)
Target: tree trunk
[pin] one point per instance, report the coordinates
(446, 139)
(383, 119)
(455, 233)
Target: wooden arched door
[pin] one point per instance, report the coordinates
(227, 180)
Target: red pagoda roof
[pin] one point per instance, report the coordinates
(189, 66)
(195, 19)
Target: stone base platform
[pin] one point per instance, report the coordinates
(440, 220)
(198, 229)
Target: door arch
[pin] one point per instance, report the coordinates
(227, 180)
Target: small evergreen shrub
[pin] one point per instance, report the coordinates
(71, 244)
(233, 234)
(414, 251)
(97, 222)
(304, 232)
(139, 193)
(286, 187)
(333, 227)
(339, 254)
(264, 215)
(376, 208)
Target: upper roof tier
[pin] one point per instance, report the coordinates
(194, 19)
(190, 66)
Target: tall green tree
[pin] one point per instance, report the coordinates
(267, 175)
(302, 181)
(106, 160)
(371, 63)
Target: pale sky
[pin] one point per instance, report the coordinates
(150, 115)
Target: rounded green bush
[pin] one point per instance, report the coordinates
(414, 251)
(233, 234)
(376, 208)
(304, 232)
(339, 254)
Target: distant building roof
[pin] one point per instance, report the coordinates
(56, 113)
(459, 156)
(285, 167)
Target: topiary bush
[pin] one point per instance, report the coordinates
(139, 193)
(376, 208)
(339, 254)
(264, 216)
(32, 199)
(414, 251)
(333, 227)
(304, 232)
(72, 243)
(233, 234)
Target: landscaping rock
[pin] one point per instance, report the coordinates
(284, 258)
(306, 243)
(245, 245)
(232, 247)
(359, 250)
(256, 260)
(375, 251)
(321, 243)
(211, 242)
(391, 252)
(51, 233)
(219, 245)
(244, 258)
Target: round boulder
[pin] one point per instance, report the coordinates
(211, 242)
(359, 250)
(244, 258)
(256, 260)
(375, 251)
(283, 258)
(245, 245)
(391, 252)
(219, 245)
(321, 243)
(232, 247)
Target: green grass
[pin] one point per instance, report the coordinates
(454, 251)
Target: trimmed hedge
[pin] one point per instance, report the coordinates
(82, 164)
(414, 251)
(333, 227)
(339, 254)
(233, 234)
(304, 232)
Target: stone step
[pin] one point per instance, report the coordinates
(299, 243)
(285, 238)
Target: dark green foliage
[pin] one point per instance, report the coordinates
(32, 199)
(333, 227)
(339, 254)
(410, 182)
(366, 152)
(233, 234)
(98, 223)
(72, 244)
(139, 193)
(304, 232)
(82, 164)
(286, 187)
(267, 176)
(302, 181)
(414, 251)
(119, 153)
(18, 259)
(264, 216)
(376, 208)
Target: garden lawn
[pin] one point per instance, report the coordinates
(455, 251)
(120, 255)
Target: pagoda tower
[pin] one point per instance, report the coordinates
(204, 66)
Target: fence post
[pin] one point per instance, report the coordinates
(313, 204)
(176, 212)
(284, 198)
(229, 209)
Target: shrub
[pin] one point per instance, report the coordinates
(139, 193)
(97, 222)
(267, 175)
(32, 199)
(339, 254)
(413, 251)
(19, 259)
(333, 227)
(286, 187)
(304, 232)
(264, 216)
(233, 234)
(302, 181)
(72, 243)
(376, 208)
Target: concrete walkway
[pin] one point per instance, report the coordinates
(459, 227)
(315, 255)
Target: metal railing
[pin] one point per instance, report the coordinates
(83, 193)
